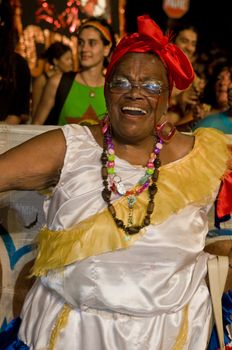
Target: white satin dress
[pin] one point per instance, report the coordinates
(151, 296)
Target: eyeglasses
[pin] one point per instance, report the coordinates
(147, 88)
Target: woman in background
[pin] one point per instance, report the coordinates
(79, 97)
(186, 105)
(218, 95)
(59, 58)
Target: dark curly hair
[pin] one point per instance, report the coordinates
(209, 91)
(55, 51)
(8, 40)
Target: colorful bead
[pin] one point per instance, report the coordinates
(150, 165)
(111, 157)
(159, 145)
(111, 164)
(111, 150)
(152, 157)
(110, 171)
(150, 171)
(143, 179)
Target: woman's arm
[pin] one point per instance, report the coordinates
(47, 100)
(35, 164)
(38, 85)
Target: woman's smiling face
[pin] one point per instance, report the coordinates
(91, 49)
(137, 95)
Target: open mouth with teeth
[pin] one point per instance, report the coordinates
(133, 111)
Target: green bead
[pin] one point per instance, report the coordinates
(111, 157)
(110, 171)
(150, 171)
(143, 180)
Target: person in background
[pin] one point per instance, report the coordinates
(186, 37)
(218, 95)
(58, 57)
(186, 106)
(79, 97)
(15, 78)
(120, 263)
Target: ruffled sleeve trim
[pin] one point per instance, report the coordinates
(195, 178)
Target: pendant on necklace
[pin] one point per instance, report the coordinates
(116, 184)
(130, 218)
(91, 93)
(131, 200)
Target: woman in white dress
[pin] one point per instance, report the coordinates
(121, 263)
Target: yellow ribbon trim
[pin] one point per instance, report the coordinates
(61, 322)
(190, 180)
(182, 337)
(93, 236)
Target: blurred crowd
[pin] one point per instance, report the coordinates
(206, 100)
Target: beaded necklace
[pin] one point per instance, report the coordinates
(112, 183)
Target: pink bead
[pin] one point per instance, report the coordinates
(111, 164)
(150, 165)
(111, 151)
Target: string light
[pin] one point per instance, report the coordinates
(69, 18)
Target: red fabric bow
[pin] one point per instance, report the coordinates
(150, 38)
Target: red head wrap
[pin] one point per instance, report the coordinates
(151, 39)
